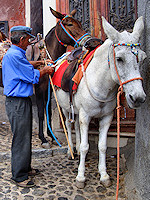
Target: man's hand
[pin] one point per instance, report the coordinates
(46, 62)
(46, 70)
(38, 63)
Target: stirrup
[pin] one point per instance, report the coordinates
(71, 121)
(72, 109)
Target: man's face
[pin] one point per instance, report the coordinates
(24, 42)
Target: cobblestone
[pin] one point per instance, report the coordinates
(56, 180)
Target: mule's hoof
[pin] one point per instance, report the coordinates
(46, 145)
(106, 183)
(80, 185)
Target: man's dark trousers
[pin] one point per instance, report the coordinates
(19, 112)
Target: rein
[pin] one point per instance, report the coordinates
(77, 42)
(120, 91)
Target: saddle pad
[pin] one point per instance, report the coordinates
(57, 77)
(79, 74)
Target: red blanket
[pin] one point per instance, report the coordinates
(59, 73)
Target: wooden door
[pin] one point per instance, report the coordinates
(122, 15)
(36, 16)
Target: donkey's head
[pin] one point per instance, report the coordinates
(69, 30)
(126, 56)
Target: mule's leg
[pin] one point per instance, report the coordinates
(40, 106)
(77, 133)
(84, 120)
(68, 126)
(104, 125)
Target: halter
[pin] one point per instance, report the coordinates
(77, 42)
(135, 52)
(120, 91)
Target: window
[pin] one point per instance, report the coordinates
(4, 27)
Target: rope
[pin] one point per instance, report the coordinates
(59, 111)
(120, 91)
(47, 105)
(61, 116)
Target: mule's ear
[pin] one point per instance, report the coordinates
(110, 31)
(138, 29)
(57, 14)
(73, 12)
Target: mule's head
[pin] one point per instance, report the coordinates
(127, 55)
(71, 25)
(35, 48)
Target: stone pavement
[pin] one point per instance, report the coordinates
(56, 180)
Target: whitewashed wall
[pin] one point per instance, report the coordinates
(49, 21)
(27, 11)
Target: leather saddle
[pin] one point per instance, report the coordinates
(66, 82)
(75, 54)
(73, 59)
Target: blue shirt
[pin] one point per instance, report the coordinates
(18, 74)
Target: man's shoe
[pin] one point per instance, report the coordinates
(26, 184)
(33, 172)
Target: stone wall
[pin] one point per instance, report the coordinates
(13, 11)
(142, 139)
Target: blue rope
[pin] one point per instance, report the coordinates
(48, 100)
(48, 115)
(55, 61)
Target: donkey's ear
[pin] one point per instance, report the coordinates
(138, 29)
(110, 31)
(57, 14)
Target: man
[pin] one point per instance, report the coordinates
(18, 79)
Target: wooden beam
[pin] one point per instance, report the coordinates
(112, 134)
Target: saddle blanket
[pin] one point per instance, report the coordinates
(57, 77)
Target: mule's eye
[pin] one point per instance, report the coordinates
(69, 24)
(119, 59)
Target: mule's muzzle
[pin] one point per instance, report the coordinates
(136, 102)
(92, 43)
